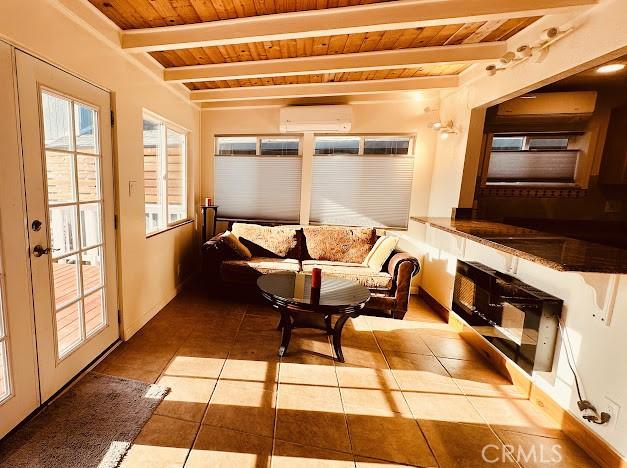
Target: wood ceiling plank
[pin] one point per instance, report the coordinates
(371, 41)
(483, 31)
(426, 35)
(444, 35)
(204, 10)
(463, 33)
(363, 61)
(391, 15)
(336, 44)
(407, 38)
(524, 23)
(320, 45)
(324, 89)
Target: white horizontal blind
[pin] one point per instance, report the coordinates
(530, 166)
(258, 187)
(361, 190)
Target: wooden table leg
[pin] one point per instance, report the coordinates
(337, 336)
(286, 331)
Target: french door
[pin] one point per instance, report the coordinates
(66, 146)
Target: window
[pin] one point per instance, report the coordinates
(165, 174)
(254, 145)
(252, 183)
(508, 143)
(371, 190)
(386, 145)
(337, 145)
(236, 145)
(536, 158)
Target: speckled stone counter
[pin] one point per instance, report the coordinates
(551, 250)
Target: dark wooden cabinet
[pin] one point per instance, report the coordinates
(614, 163)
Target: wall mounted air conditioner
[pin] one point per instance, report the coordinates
(564, 103)
(323, 119)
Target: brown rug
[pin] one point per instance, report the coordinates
(92, 425)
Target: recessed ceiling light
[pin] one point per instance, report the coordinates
(611, 68)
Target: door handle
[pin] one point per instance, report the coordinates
(38, 251)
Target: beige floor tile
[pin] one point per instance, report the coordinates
(516, 415)
(464, 445)
(393, 438)
(362, 357)
(187, 399)
(316, 427)
(309, 397)
(452, 348)
(359, 401)
(358, 335)
(163, 442)
(266, 323)
(420, 373)
(289, 455)
(127, 372)
(363, 462)
(533, 451)
(311, 415)
(218, 447)
(477, 378)
(362, 377)
(321, 371)
(191, 366)
(442, 407)
(250, 370)
(242, 406)
(406, 341)
(206, 346)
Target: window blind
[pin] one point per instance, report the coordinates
(258, 187)
(533, 166)
(361, 190)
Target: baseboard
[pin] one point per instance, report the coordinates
(127, 333)
(598, 449)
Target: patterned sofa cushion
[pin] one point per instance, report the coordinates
(371, 279)
(269, 241)
(247, 271)
(338, 243)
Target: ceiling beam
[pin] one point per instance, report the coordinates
(380, 60)
(400, 14)
(324, 89)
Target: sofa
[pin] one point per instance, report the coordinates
(338, 251)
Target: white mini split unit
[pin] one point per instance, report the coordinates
(323, 119)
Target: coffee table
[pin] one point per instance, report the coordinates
(301, 307)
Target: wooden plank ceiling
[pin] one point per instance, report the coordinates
(136, 14)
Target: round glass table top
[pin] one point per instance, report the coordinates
(296, 288)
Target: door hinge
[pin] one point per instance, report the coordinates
(115, 222)
(112, 119)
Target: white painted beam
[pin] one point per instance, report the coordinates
(399, 14)
(381, 60)
(324, 89)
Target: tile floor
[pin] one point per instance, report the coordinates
(411, 393)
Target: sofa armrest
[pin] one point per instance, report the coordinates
(403, 267)
(398, 259)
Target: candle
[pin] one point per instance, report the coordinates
(316, 277)
(208, 201)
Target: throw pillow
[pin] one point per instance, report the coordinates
(230, 240)
(380, 252)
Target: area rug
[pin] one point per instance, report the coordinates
(92, 425)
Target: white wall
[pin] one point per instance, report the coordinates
(598, 349)
(148, 268)
(398, 117)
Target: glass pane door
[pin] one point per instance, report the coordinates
(5, 384)
(73, 173)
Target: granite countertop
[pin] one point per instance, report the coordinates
(551, 250)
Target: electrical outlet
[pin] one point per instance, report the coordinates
(613, 409)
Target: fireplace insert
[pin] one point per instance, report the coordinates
(520, 320)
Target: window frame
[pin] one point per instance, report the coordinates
(298, 137)
(575, 140)
(362, 139)
(162, 176)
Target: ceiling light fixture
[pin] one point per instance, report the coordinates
(611, 68)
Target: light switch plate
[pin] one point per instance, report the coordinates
(131, 187)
